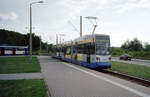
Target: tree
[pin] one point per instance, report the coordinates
(126, 45)
(133, 45)
(147, 47)
(17, 39)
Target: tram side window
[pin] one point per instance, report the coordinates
(64, 50)
(85, 49)
(74, 49)
(68, 51)
(57, 49)
(82, 48)
(79, 49)
(92, 49)
(89, 49)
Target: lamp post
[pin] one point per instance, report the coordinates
(31, 27)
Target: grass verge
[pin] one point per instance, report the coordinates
(131, 69)
(22, 88)
(19, 65)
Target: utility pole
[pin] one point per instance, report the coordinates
(40, 45)
(30, 31)
(47, 48)
(80, 26)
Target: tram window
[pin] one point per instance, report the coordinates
(92, 49)
(84, 49)
(68, 50)
(89, 49)
(74, 49)
(80, 48)
(65, 49)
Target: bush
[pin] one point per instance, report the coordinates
(117, 51)
(36, 53)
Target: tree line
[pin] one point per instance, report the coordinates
(13, 38)
(133, 47)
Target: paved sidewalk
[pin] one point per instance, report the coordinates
(21, 76)
(69, 80)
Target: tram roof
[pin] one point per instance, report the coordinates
(86, 37)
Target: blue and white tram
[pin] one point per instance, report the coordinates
(90, 51)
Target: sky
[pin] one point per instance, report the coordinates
(121, 19)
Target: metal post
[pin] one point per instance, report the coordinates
(94, 29)
(40, 45)
(56, 40)
(30, 31)
(47, 48)
(80, 26)
(60, 39)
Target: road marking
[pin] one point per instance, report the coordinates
(110, 81)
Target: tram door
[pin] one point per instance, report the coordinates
(88, 54)
(75, 51)
(14, 51)
(2, 51)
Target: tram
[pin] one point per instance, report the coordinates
(13, 50)
(91, 51)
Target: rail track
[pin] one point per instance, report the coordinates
(138, 80)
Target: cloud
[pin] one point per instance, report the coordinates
(133, 5)
(117, 6)
(11, 16)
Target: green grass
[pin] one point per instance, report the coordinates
(131, 69)
(22, 88)
(19, 65)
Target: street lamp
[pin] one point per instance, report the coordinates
(31, 26)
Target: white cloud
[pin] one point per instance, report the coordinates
(11, 16)
(118, 6)
(133, 5)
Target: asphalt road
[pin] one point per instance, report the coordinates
(69, 80)
(133, 61)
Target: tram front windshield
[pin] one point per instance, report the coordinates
(102, 45)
